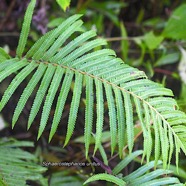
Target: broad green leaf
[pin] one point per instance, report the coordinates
(168, 59)
(176, 25)
(124, 42)
(152, 41)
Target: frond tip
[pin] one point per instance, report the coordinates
(53, 66)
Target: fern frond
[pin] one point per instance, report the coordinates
(142, 176)
(18, 166)
(126, 90)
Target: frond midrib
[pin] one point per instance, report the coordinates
(118, 87)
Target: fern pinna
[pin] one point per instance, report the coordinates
(54, 65)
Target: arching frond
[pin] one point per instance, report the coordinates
(142, 176)
(54, 62)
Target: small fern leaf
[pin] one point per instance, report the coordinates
(28, 91)
(88, 58)
(49, 41)
(25, 28)
(41, 93)
(15, 83)
(61, 39)
(157, 137)
(65, 88)
(49, 98)
(171, 147)
(74, 106)
(140, 111)
(38, 44)
(112, 116)
(129, 121)
(163, 181)
(149, 176)
(7, 63)
(12, 69)
(72, 45)
(83, 49)
(121, 121)
(88, 113)
(120, 166)
(140, 171)
(106, 177)
(100, 113)
(148, 127)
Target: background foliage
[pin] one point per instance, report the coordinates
(145, 34)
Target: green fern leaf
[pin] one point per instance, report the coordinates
(100, 113)
(61, 39)
(88, 113)
(49, 98)
(74, 106)
(73, 45)
(107, 177)
(112, 116)
(120, 166)
(61, 101)
(41, 47)
(27, 91)
(129, 121)
(11, 69)
(25, 28)
(121, 121)
(163, 181)
(41, 93)
(18, 166)
(7, 63)
(15, 83)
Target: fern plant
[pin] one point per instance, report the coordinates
(17, 166)
(53, 64)
(143, 176)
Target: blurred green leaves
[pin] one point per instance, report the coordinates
(64, 4)
(176, 25)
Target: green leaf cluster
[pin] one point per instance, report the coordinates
(18, 166)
